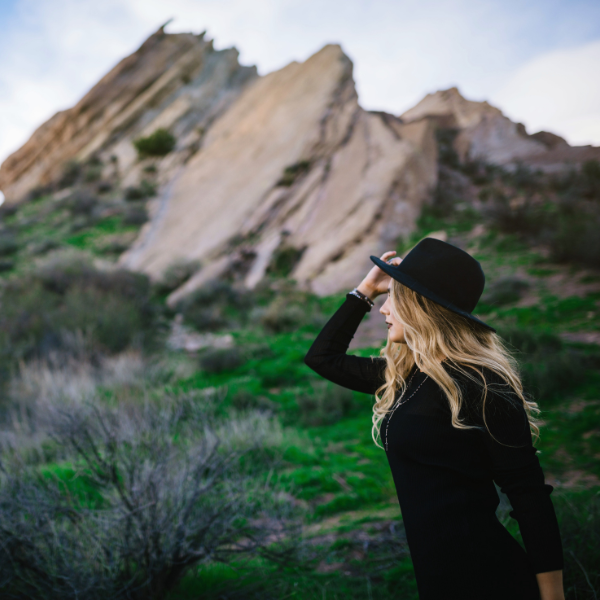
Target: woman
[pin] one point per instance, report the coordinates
(451, 415)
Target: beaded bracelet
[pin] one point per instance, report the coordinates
(362, 296)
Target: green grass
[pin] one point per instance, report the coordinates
(335, 471)
(91, 238)
(46, 221)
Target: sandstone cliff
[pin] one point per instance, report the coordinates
(287, 162)
(174, 81)
(294, 161)
(485, 133)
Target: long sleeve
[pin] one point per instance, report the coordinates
(328, 354)
(517, 470)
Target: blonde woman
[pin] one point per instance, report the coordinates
(452, 418)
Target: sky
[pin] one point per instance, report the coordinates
(538, 61)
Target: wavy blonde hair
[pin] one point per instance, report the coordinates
(430, 331)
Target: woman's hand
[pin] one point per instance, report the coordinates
(376, 282)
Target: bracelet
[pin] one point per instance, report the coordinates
(362, 296)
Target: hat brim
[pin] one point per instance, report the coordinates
(413, 284)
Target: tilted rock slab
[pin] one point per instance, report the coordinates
(362, 178)
(484, 133)
(175, 81)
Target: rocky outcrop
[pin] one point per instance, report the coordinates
(175, 81)
(484, 133)
(295, 162)
(287, 164)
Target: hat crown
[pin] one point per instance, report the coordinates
(447, 271)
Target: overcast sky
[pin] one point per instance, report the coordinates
(538, 61)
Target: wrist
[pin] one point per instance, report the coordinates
(367, 290)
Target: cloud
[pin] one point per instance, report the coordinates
(53, 51)
(559, 92)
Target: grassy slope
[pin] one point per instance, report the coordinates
(335, 470)
(345, 479)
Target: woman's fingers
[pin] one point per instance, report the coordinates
(387, 257)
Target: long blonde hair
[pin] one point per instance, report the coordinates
(430, 331)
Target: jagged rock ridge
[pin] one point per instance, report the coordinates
(288, 160)
(365, 178)
(486, 134)
(175, 81)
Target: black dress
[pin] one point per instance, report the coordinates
(444, 476)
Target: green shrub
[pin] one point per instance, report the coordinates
(282, 315)
(505, 290)
(284, 259)
(93, 172)
(67, 294)
(590, 171)
(134, 509)
(146, 189)
(217, 360)
(447, 155)
(548, 367)
(293, 172)
(104, 186)
(524, 218)
(177, 274)
(8, 210)
(325, 404)
(579, 519)
(559, 210)
(159, 143)
(71, 173)
(6, 265)
(82, 202)
(39, 192)
(573, 235)
(206, 318)
(212, 306)
(523, 177)
(244, 399)
(8, 243)
(135, 215)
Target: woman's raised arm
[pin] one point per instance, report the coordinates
(328, 354)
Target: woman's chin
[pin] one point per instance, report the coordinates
(394, 339)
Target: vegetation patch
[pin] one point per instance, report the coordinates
(158, 143)
(293, 172)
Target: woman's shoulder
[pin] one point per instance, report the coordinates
(485, 391)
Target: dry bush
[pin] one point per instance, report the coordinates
(145, 493)
(66, 292)
(177, 274)
(282, 315)
(326, 404)
(505, 290)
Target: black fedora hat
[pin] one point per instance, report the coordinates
(443, 273)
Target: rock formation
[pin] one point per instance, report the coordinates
(485, 133)
(174, 81)
(287, 162)
(295, 161)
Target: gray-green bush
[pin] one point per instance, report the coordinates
(325, 404)
(146, 493)
(67, 293)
